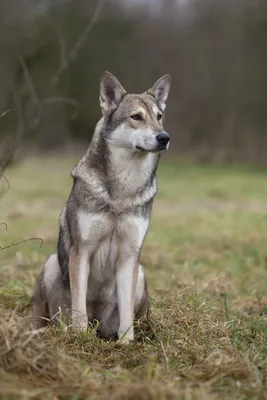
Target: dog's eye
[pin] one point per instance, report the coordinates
(159, 117)
(136, 117)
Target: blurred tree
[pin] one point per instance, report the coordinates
(214, 49)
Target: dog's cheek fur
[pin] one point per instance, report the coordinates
(124, 135)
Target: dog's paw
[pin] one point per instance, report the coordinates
(126, 336)
(79, 322)
(126, 341)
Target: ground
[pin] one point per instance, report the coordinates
(205, 257)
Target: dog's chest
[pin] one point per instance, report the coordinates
(105, 237)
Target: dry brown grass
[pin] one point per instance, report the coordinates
(206, 337)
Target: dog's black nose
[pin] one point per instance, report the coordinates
(163, 138)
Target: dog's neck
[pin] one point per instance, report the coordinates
(128, 165)
(121, 171)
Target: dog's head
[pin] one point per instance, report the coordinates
(134, 121)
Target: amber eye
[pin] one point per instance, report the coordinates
(159, 117)
(136, 117)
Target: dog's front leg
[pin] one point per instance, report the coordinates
(79, 272)
(126, 276)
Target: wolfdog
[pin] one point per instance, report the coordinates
(95, 274)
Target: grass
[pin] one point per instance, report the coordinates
(206, 263)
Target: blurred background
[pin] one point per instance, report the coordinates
(54, 51)
(205, 253)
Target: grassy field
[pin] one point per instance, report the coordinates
(206, 262)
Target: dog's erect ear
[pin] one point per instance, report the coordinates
(160, 90)
(111, 92)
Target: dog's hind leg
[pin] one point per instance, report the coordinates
(40, 310)
(52, 293)
(57, 290)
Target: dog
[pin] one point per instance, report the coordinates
(95, 274)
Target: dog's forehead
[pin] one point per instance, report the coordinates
(143, 103)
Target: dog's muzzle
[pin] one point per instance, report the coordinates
(163, 139)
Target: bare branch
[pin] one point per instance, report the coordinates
(3, 223)
(8, 153)
(65, 100)
(7, 111)
(62, 47)
(32, 91)
(6, 161)
(28, 80)
(7, 181)
(22, 241)
(79, 43)
(7, 184)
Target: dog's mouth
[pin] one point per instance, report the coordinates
(140, 148)
(156, 150)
